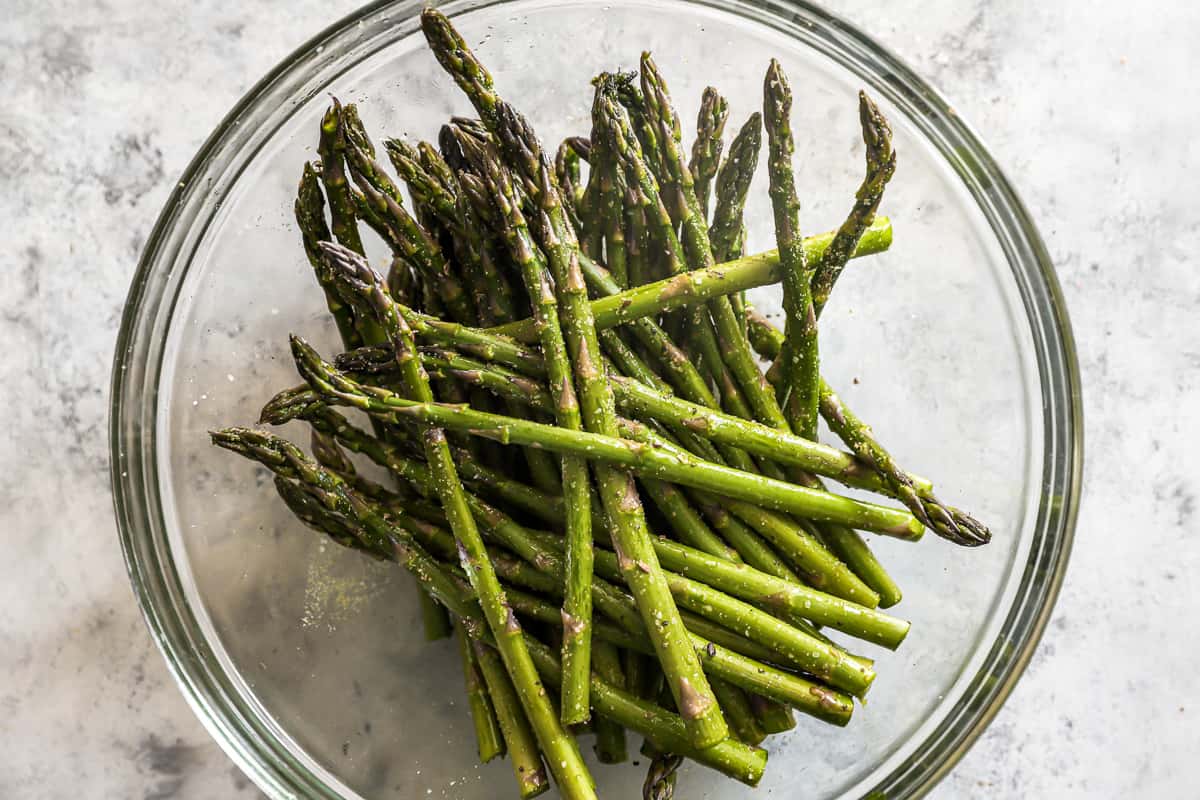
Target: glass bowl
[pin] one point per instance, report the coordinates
(306, 662)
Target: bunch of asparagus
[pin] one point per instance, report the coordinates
(595, 485)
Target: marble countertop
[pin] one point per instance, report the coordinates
(105, 103)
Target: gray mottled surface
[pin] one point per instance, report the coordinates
(106, 102)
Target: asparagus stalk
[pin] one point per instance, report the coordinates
(667, 730)
(597, 197)
(577, 610)
(738, 711)
(660, 776)
(566, 170)
(488, 736)
(610, 737)
(612, 217)
(701, 285)
(733, 185)
(562, 754)
(310, 218)
(948, 522)
(881, 165)
(519, 738)
(799, 360)
(639, 263)
(706, 150)
(331, 148)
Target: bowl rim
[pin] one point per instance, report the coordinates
(257, 748)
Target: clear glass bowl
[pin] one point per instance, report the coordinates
(306, 662)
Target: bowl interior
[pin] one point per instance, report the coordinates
(932, 342)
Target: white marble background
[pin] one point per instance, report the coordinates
(1091, 107)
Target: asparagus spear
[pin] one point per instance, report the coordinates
(701, 285)
(519, 738)
(562, 754)
(487, 729)
(799, 360)
(566, 170)
(733, 185)
(612, 219)
(310, 218)
(331, 148)
(706, 150)
(597, 199)
(660, 777)
(610, 737)
(577, 611)
(668, 730)
(738, 711)
(881, 164)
